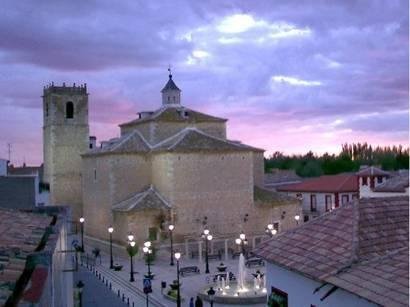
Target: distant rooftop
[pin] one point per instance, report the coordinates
(328, 183)
(397, 183)
(372, 171)
(362, 247)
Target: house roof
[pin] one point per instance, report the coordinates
(192, 139)
(397, 183)
(20, 234)
(174, 113)
(272, 197)
(362, 247)
(279, 177)
(147, 199)
(329, 183)
(372, 171)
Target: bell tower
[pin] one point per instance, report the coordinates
(65, 138)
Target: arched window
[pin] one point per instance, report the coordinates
(69, 110)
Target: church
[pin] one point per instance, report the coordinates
(173, 165)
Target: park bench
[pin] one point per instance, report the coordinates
(254, 261)
(189, 269)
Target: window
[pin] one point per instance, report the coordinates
(354, 196)
(328, 202)
(152, 233)
(364, 181)
(278, 298)
(276, 226)
(379, 179)
(313, 203)
(95, 174)
(46, 109)
(69, 110)
(345, 199)
(173, 98)
(91, 145)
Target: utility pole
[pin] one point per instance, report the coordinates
(9, 151)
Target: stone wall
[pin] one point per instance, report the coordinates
(258, 169)
(65, 139)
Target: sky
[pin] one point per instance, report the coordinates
(290, 76)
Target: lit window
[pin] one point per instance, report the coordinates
(69, 110)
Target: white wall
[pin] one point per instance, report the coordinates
(300, 290)
(3, 167)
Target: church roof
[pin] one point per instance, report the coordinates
(129, 143)
(147, 199)
(192, 139)
(175, 114)
(170, 86)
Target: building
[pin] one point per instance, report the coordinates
(172, 165)
(356, 255)
(324, 193)
(374, 182)
(35, 269)
(21, 188)
(3, 167)
(65, 138)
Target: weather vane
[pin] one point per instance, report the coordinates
(169, 69)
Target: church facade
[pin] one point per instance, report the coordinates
(176, 165)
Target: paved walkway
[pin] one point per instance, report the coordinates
(163, 272)
(95, 293)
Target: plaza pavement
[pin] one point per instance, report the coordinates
(132, 291)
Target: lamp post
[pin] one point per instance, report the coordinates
(177, 256)
(131, 249)
(207, 238)
(242, 241)
(297, 218)
(171, 228)
(82, 220)
(110, 231)
(211, 295)
(148, 251)
(80, 286)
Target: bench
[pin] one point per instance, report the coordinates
(189, 269)
(253, 261)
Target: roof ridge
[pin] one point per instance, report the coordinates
(169, 138)
(126, 138)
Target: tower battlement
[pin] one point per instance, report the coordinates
(64, 89)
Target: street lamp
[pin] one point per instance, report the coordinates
(130, 237)
(80, 286)
(132, 251)
(297, 218)
(82, 220)
(110, 231)
(211, 295)
(177, 256)
(207, 238)
(171, 228)
(270, 230)
(242, 241)
(148, 251)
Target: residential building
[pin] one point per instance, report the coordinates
(323, 194)
(374, 182)
(356, 255)
(35, 266)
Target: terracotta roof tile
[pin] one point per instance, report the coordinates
(330, 183)
(375, 267)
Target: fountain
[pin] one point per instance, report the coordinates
(242, 291)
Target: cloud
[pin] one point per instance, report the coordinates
(294, 81)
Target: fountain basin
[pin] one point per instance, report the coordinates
(231, 296)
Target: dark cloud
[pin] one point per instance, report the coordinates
(339, 60)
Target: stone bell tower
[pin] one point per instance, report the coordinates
(65, 138)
